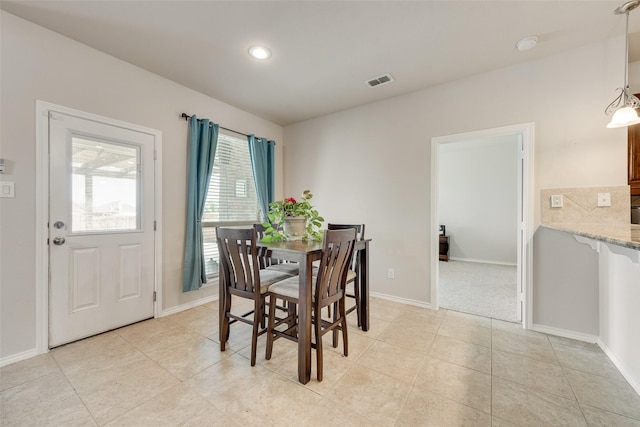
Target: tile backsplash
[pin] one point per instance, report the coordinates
(635, 200)
(580, 205)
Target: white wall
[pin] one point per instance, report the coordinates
(478, 197)
(371, 163)
(40, 64)
(634, 77)
(619, 278)
(591, 292)
(565, 293)
(368, 164)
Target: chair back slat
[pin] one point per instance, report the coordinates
(359, 236)
(336, 257)
(263, 258)
(359, 229)
(238, 258)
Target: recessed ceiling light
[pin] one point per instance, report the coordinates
(259, 52)
(527, 43)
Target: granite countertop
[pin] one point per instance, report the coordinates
(626, 235)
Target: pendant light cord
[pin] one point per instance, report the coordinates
(626, 56)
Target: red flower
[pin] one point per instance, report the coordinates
(290, 200)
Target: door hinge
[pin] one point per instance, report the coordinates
(155, 155)
(155, 225)
(155, 296)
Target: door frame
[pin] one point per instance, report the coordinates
(526, 198)
(42, 211)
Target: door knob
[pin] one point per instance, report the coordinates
(58, 240)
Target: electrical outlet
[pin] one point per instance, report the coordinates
(604, 199)
(556, 201)
(391, 273)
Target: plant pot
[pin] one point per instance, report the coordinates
(294, 227)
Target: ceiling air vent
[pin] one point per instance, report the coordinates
(387, 78)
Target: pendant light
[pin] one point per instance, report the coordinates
(624, 106)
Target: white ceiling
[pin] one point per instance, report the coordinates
(323, 51)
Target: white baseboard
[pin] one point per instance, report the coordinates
(483, 261)
(19, 357)
(634, 382)
(402, 300)
(187, 306)
(579, 336)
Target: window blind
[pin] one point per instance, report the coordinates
(232, 198)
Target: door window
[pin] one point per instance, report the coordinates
(105, 186)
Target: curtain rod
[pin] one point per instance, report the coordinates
(187, 117)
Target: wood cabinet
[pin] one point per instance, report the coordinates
(444, 248)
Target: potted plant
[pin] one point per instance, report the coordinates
(293, 220)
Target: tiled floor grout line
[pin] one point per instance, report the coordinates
(491, 366)
(441, 395)
(564, 372)
(566, 368)
(75, 390)
(581, 404)
(176, 325)
(325, 396)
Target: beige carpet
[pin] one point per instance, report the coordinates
(487, 290)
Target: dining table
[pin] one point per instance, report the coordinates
(305, 253)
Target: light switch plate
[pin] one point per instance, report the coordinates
(7, 189)
(604, 199)
(556, 201)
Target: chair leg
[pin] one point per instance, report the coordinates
(318, 332)
(356, 293)
(270, 321)
(343, 315)
(334, 333)
(263, 318)
(224, 330)
(257, 320)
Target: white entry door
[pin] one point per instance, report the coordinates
(101, 227)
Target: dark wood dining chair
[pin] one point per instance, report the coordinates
(242, 277)
(269, 263)
(352, 275)
(327, 288)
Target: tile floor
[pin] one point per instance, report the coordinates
(414, 367)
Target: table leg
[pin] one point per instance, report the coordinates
(304, 321)
(363, 277)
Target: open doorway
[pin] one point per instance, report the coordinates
(480, 193)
